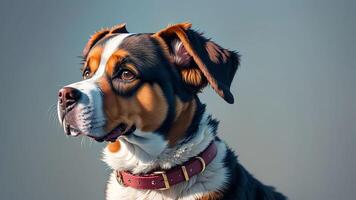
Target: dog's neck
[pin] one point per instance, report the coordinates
(186, 117)
(144, 152)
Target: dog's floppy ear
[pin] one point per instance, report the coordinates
(200, 60)
(120, 28)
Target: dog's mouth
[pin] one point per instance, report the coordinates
(70, 130)
(121, 129)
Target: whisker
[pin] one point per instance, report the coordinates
(52, 115)
(81, 142)
(51, 107)
(91, 142)
(50, 110)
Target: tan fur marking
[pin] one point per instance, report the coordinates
(115, 59)
(93, 60)
(184, 116)
(215, 53)
(212, 196)
(114, 146)
(147, 109)
(154, 106)
(171, 29)
(193, 76)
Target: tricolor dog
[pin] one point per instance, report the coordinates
(139, 94)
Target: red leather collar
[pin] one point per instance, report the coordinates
(162, 180)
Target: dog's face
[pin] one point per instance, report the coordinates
(142, 81)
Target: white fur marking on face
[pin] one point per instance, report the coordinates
(110, 47)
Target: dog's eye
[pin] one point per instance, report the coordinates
(124, 80)
(86, 73)
(126, 75)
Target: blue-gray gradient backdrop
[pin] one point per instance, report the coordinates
(293, 123)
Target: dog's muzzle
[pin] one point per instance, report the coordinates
(80, 112)
(68, 98)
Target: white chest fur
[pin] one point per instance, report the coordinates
(143, 152)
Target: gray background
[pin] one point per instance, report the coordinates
(293, 123)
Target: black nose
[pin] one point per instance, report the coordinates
(67, 97)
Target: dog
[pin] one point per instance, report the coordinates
(139, 94)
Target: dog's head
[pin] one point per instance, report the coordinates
(144, 81)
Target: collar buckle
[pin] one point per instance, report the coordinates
(165, 179)
(118, 176)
